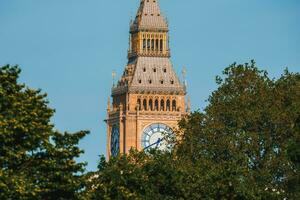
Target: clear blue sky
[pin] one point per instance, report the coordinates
(68, 48)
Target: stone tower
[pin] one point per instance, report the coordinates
(149, 98)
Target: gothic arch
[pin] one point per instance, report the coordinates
(152, 44)
(168, 105)
(151, 104)
(148, 44)
(145, 104)
(156, 44)
(144, 44)
(156, 105)
(162, 105)
(161, 45)
(174, 106)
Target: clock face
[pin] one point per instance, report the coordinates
(156, 136)
(115, 141)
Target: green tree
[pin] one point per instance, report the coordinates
(240, 141)
(293, 183)
(121, 178)
(138, 175)
(36, 162)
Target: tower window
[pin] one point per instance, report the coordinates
(173, 105)
(168, 105)
(140, 81)
(150, 81)
(172, 82)
(165, 70)
(144, 44)
(162, 105)
(148, 44)
(156, 105)
(150, 104)
(145, 104)
(144, 69)
(162, 81)
(154, 69)
(152, 44)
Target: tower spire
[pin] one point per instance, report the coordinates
(149, 17)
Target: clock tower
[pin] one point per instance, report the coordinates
(149, 99)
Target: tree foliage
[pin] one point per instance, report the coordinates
(244, 145)
(36, 162)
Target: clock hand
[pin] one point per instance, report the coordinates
(155, 143)
(150, 145)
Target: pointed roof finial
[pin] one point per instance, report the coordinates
(184, 72)
(188, 108)
(113, 74)
(108, 104)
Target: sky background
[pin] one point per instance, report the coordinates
(68, 48)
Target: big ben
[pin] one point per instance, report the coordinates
(149, 99)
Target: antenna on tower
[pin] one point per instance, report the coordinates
(108, 104)
(188, 107)
(184, 72)
(113, 74)
(167, 20)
